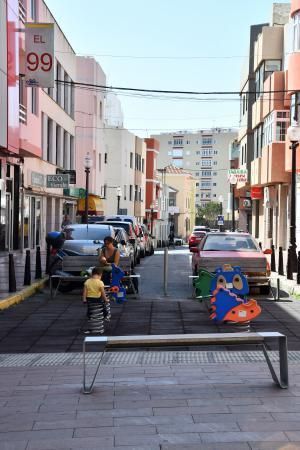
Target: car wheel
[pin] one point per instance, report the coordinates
(264, 290)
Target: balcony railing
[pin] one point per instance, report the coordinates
(22, 114)
(22, 12)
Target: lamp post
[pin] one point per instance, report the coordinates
(221, 199)
(293, 135)
(233, 182)
(88, 163)
(119, 195)
(151, 218)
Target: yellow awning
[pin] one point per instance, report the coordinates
(95, 205)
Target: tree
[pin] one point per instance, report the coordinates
(208, 213)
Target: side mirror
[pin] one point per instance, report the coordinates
(194, 249)
(268, 251)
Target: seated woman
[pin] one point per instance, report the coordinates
(108, 255)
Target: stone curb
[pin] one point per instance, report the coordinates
(289, 286)
(23, 294)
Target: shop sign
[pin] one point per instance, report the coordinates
(39, 55)
(37, 179)
(245, 203)
(256, 193)
(58, 181)
(235, 176)
(75, 192)
(173, 210)
(72, 174)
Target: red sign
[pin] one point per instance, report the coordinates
(256, 193)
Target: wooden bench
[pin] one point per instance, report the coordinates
(189, 340)
(77, 264)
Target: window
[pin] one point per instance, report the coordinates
(197, 184)
(34, 101)
(125, 191)
(206, 173)
(214, 184)
(215, 174)
(197, 163)
(177, 153)
(143, 165)
(178, 142)
(66, 151)
(100, 110)
(272, 65)
(169, 142)
(206, 163)
(33, 10)
(105, 158)
(72, 153)
(131, 161)
(136, 193)
(207, 140)
(215, 152)
(177, 162)
(130, 192)
(244, 105)
(59, 86)
(205, 184)
(296, 32)
(197, 174)
(188, 142)
(58, 146)
(170, 153)
(207, 152)
(197, 195)
(49, 139)
(275, 127)
(295, 107)
(99, 159)
(258, 141)
(198, 152)
(215, 163)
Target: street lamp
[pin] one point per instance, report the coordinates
(119, 195)
(151, 217)
(233, 182)
(293, 135)
(88, 163)
(221, 199)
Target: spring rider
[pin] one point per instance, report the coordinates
(117, 291)
(229, 288)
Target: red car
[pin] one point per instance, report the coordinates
(195, 238)
(236, 249)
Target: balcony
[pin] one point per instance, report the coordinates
(22, 114)
(257, 112)
(273, 164)
(256, 172)
(22, 11)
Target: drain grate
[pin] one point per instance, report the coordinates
(140, 358)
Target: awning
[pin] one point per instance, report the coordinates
(95, 205)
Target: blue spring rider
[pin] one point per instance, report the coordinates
(117, 291)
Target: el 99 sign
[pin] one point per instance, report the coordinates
(35, 62)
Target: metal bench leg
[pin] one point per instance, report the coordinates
(283, 363)
(88, 389)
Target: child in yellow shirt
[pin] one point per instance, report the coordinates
(97, 302)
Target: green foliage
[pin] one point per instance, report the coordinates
(208, 213)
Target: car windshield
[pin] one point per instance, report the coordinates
(230, 243)
(125, 225)
(87, 233)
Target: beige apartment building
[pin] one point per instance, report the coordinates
(205, 155)
(182, 211)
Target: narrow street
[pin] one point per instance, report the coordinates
(40, 324)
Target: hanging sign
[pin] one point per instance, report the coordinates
(58, 181)
(39, 55)
(256, 193)
(237, 176)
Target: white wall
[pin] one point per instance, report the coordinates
(3, 76)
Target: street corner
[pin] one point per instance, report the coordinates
(23, 294)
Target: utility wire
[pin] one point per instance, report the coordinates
(161, 91)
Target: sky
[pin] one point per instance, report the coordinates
(191, 45)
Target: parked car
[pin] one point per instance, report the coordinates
(126, 248)
(123, 218)
(128, 227)
(236, 249)
(195, 238)
(201, 228)
(149, 244)
(86, 240)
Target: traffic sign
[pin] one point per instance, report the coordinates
(220, 220)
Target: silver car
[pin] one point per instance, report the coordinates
(86, 239)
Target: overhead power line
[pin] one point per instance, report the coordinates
(162, 91)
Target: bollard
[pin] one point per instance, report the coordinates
(12, 285)
(260, 245)
(289, 268)
(278, 290)
(27, 274)
(273, 264)
(298, 268)
(280, 262)
(38, 263)
(166, 257)
(48, 258)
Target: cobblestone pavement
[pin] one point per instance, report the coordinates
(40, 324)
(149, 407)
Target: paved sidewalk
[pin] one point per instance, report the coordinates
(149, 407)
